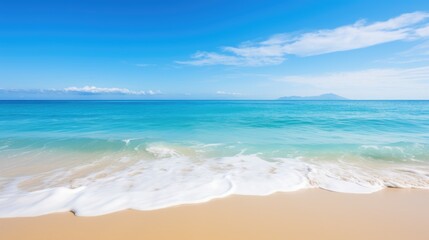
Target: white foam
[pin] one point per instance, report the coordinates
(127, 141)
(106, 186)
(160, 151)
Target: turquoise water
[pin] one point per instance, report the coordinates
(208, 148)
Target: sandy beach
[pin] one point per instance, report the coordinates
(306, 214)
(214, 120)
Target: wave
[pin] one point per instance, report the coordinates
(164, 175)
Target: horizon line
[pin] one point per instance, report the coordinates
(279, 100)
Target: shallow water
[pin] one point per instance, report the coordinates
(96, 157)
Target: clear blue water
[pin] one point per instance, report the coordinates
(310, 127)
(361, 138)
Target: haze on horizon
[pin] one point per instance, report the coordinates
(213, 49)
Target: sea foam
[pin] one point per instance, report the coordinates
(169, 179)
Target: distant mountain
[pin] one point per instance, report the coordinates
(328, 96)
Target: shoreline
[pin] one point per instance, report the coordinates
(305, 214)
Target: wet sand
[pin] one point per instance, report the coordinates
(306, 214)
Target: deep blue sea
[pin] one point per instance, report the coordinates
(96, 157)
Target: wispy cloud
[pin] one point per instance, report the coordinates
(383, 83)
(409, 26)
(228, 93)
(86, 90)
(417, 53)
(98, 90)
(210, 58)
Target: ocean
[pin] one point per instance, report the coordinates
(98, 157)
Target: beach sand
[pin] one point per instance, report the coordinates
(306, 214)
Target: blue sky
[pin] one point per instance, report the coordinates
(213, 49)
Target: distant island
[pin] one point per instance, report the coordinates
(328, 96)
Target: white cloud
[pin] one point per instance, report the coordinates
(228, 93)
(383, 83)
(415, 54)
(151, 92)
(208, 58)
(423, 31)
(418, 50)
(87, 92)
(97, 90)
(409, 26)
